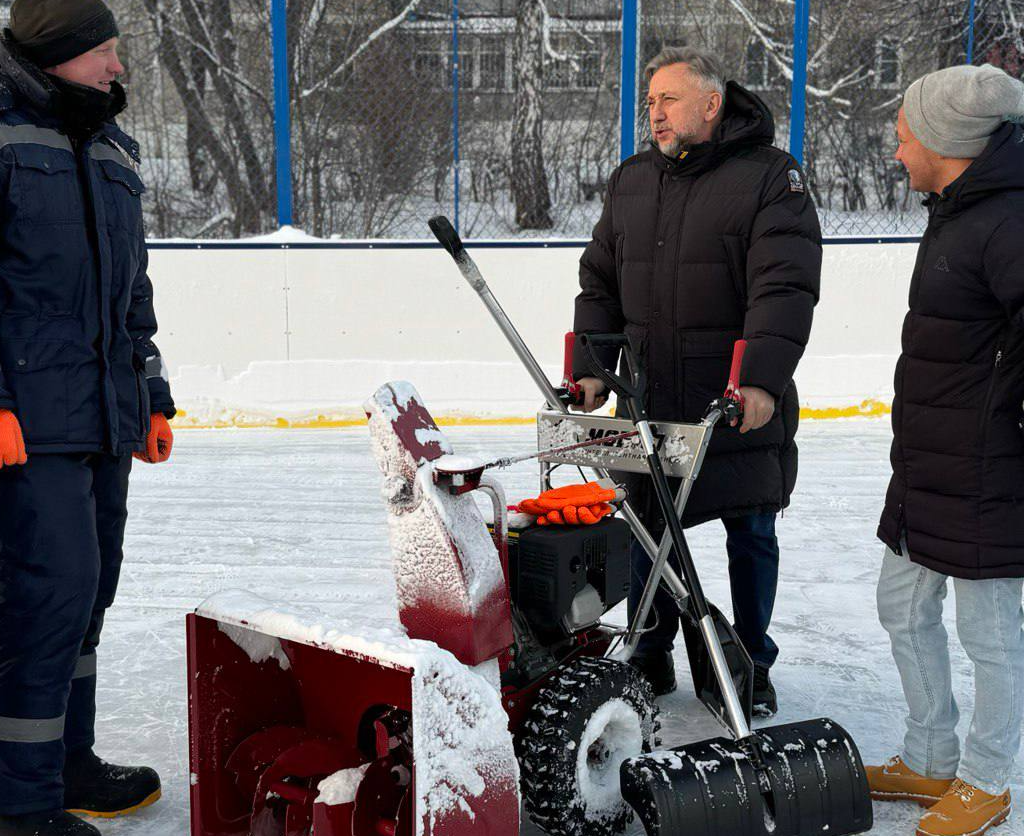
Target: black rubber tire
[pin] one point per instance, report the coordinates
(549, 744)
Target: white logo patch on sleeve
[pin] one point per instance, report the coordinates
(796, 181)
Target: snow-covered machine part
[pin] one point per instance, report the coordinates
(448, 571)
(677, 443)
(810, 777)
(300, 725)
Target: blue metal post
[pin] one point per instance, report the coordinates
(970, 32)
(628, 81)
(798, 106)
(455, 106)
(282, 111)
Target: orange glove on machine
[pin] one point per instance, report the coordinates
(12, 442)
(158, 442)
(573, 504)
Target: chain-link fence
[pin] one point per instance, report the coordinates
(505, 114)
(200, 95)
(504, 118)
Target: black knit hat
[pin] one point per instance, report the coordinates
(50, 32)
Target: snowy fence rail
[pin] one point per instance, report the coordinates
(360, 118)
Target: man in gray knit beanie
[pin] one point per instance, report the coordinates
(954, 111)
(953, 508)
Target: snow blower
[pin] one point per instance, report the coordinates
(501, 685)
(784, 780)
(300, 728)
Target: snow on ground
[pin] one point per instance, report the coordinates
(296, 516)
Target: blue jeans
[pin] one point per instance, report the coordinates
(990, 624)
(753, 578)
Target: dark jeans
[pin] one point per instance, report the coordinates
(753, 577)
(62, 519)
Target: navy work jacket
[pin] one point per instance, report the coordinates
(78, 365)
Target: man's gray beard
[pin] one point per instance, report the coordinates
(676, 146)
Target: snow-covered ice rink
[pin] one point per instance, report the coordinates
(295, 516)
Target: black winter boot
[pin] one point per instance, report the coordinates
(50, 823)
(658, 668)
(766, 703)
(98, 788)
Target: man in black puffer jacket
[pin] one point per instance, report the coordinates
(955, 505)
(708, 237)
(82, 389)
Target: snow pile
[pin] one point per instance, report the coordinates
(461, 738)
(340, 788)
(257, 646)
(456, 464)
(308, 626)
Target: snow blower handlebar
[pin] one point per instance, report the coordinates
(730, 405)
(631, 393)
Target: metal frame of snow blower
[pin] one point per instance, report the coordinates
(704, 665)
(785, 780)
(706, 660)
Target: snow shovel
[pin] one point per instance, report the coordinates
(786, 780)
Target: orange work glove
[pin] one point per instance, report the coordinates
(12, 443)
(158, 442)
(575, 514)
(572, 504)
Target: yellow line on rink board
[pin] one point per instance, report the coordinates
(869, 408)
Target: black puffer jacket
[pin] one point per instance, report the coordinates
(691, 255)
(957, 488)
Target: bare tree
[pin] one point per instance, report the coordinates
(529, 181)
(225, 111)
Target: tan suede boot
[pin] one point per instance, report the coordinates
(965, 811)
(895, 781)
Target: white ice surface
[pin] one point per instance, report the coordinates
(296, 516)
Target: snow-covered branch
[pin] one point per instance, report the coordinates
(549, 49)
(377, 33)
(218, 65)
(774, 51)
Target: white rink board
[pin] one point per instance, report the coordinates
(256, 335)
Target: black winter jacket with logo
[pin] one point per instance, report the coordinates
(957, 488)
(689, 256)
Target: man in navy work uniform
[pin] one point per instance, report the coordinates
(82, 389)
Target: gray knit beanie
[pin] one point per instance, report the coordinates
(954, 111)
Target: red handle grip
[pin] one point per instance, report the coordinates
(734, 373)
(570, 340)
